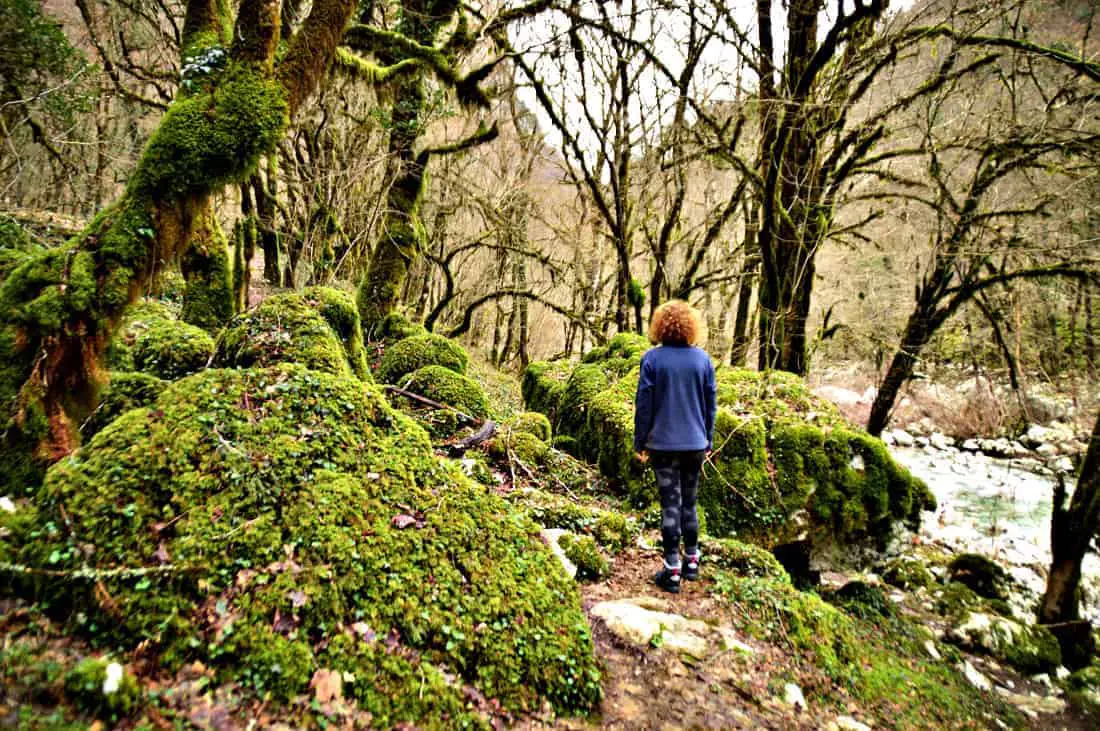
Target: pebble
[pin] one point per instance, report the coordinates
(975, 677)
(792, 696)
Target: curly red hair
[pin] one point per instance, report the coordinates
(677, 323)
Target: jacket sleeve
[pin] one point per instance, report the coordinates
(643, 405)
(710, 397)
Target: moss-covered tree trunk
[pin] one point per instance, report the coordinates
(402, 235)
(59, 309)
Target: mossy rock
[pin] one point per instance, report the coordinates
(908, 573)
(956, 599)
(412, 354)
(862, 600)
(784, 460)
(123, 392)
(397, 326)
(444, 386)
(103, 688)
(613, 530)
(138, 320)
(565, 444)
(744, 559)
(585, 554)
(16, 246)
(1031, 649)
(530, 422)
(341, 313)
(627, 345)
(543, 384)
(524, 447)
(880, 661)
(982, 575)
(288, 328)
(252, 518)
(171, 349)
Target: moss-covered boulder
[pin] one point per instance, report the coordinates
(743, 559)
(123, 392)
(530, 422)
(397, 326)
(908, 573)
(785, 465)
(414, 353)
(613, 530)
(341, 313)
(272, 522)
(1030, 649)
(521, 446)
(446, 387)
(585, 554)
(16, 245)
(172, 349)
(294, 328)
(982, 575)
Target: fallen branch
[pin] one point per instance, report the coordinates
(487, 430)
(429, 402)
(95, 574)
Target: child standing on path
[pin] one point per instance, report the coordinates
(674, 430)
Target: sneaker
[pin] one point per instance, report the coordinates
(691, 567)
(668, 579)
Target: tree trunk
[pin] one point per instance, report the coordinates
(52, 360)
(208, 295)
(917, 331)
(739, 352)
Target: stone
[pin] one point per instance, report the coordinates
(1031, 704)
(975, 678)
(792, 696)
(888, 438)
(902, 438)
(940, 441)
(847, 723)
(1035, 435)
(638, 622)
(1029, 648)
(922, 441)
(7, 505)
(1046, 450)
(971, 445)
(1063, 465)
(930, 648)
(550, 537)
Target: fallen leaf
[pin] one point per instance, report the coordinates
(327, 685)
(403, 521)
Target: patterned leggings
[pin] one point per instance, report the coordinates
(678, 482)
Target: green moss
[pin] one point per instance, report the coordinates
(285, 328)
(139, 319)
(170, 349)
(16, 246)
(744, 559)
(613, 530)
(524, 447)
(444, 386)
(565, 443)
(627, 345)
(956, 600)
(214, 138)
(290, 507)
(339, 310)
(85, 685)
(397, 326)
(208, 298)
(862, 600)
(585, 554)
(1034, 651)
(906, 572)
(124, 391)
(595, 355)
(530, 422)
(880, 663)
(543, 384)
(414, 353)
(986, 578)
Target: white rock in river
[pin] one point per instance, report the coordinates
(940, 441)
(971, 445)
(1062, 465)
(902, 438)
(1046, 450)
(1035, 435)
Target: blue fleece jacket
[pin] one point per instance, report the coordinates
(676, 400)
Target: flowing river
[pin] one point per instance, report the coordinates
(996, 508)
